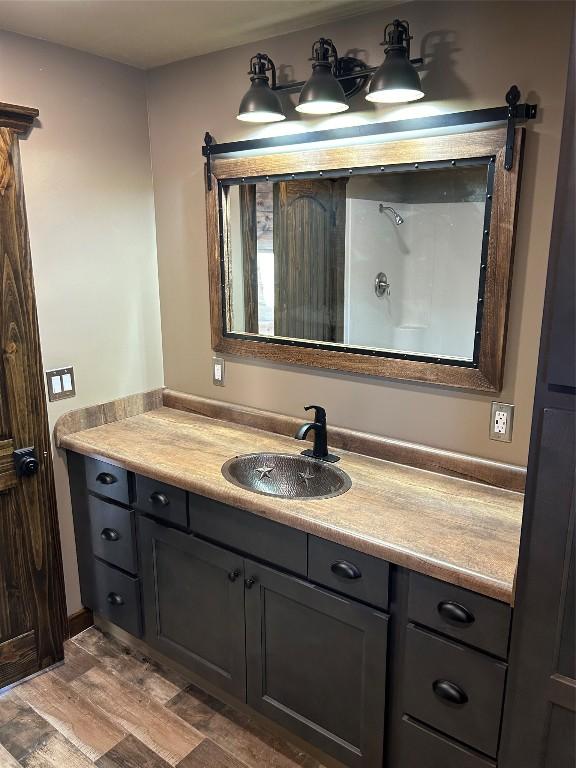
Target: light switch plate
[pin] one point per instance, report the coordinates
(218, 371)
(501, 422)
(60, 383)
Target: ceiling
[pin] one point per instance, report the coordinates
(149, 33)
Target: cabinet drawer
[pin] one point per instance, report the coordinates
(454, 689)
(116, 596)
(112, 533)
(107, 479)
(248, 533)
(162, 501)
(426, 749)
(347, 571)
(466, 616)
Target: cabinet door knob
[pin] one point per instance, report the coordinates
(159, 498)
(105, 478)
(449, 692)
(115, 599)
(346, 570)
(249, 583)
(455, 612)
(233, 575)
(109, 534)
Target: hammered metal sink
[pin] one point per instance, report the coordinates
(286, 476)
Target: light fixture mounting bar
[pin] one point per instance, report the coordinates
(520, 113)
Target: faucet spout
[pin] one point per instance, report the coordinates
(304, 429)
(320, 449)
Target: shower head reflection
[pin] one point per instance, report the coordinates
(397, 218)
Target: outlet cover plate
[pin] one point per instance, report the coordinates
(501, 422)
(60, 383)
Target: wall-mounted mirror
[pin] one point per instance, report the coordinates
(398, 268)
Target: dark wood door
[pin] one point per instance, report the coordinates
(309, 254)
(32, 604)
(539, 729)
(317, 664)
(193, 596)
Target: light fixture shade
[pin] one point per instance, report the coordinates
(260, 104)
(322, 94)
(395, 81)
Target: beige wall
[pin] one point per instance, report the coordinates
(89, 198)
(479, 49)
(91, 217)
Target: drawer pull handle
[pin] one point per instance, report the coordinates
(450, 692)
(105, 478)
(233, 575)
(455, 612)
(346, 570)
(250, 582)
(109, 534)
(159, 498)
(115, 599)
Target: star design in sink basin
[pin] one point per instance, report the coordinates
(264, 471)
(306, 476)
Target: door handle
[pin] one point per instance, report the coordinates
(115, 599)
(450, 692)
(109, 534)
(25, 462)
(105, 478)
(233, 575)
(159, 498)
(346, 570)
(249, 583)
(455, 612)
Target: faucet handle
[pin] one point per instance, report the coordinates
(320, 413)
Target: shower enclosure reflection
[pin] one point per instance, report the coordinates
(378, 261)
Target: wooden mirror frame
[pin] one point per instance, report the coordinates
(486, 374)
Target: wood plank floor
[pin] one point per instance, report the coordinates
(110, 707)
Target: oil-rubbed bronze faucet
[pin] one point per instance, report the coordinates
(320, 449)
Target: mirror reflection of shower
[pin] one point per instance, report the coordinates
(397, 218)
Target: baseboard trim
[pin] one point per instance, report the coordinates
(79, 621)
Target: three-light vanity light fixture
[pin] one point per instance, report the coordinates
(335, 79)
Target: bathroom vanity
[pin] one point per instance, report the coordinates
(374, 625)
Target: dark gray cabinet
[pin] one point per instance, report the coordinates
(116, 596)
(454, 689)
(317, 664)
(294, 625)
(193, 596)
(230, 620)
(112, 534)
(469, 618)
(421, 747)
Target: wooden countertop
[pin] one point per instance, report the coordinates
(455, 530)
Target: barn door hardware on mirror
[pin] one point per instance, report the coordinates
(286, 230)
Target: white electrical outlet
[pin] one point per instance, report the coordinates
(218, 371)
(500, 422)
(501, 418)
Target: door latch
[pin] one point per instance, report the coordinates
(25, 462)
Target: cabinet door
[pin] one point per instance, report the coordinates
(317, 664)
(194, 604)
